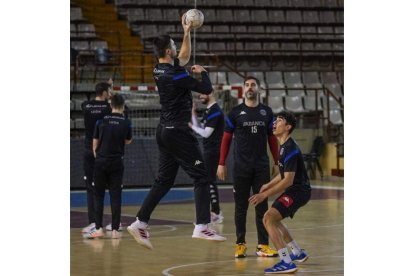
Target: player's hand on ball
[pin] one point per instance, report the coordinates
(186, 27)
(197, 69)
(221, 172)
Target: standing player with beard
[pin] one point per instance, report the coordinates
(251, 125)
(212, 132)
(177, 143)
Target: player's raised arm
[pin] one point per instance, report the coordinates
(185, 51)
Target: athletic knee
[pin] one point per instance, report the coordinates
(269, 218)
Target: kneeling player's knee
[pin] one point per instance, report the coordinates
(267, 218)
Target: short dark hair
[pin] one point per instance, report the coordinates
(101, 87)
(161, 43)
(252, 78)
(117, 101)
(290, 119)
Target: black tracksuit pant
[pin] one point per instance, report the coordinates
(246, 179)
(212, 157)
(178, 147)
(108, 174)
(88, 166)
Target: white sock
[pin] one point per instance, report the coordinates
(200, 227)
(140, 224)
(284, 255)
(295, 247)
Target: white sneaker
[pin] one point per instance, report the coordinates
(205, 233)
(94, 233)
(109, 227)
(88, 228)
(116, 235)
(214, 218)
(140, 234)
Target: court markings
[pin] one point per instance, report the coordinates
(125, 236)
(166, 272)
(327, 187)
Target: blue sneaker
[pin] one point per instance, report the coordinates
(303, 256)
(281, 267)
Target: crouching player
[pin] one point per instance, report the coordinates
(293, 182)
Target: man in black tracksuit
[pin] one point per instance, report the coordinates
(93, 110)
(250, 123)
(109, 139)
(211, 129)
(177, 143)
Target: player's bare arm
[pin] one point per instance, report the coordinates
(185, 51)
(95, 146)
(221, 172)
(127, 142)
(271, 184)
(276, 188)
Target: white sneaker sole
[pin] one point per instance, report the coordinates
(302, 260)
(137, 237)
(209, 239)
(283, 272)
(85, 236)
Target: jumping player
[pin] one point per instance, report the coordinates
(177, 143)
(251, 124)
(293, 182)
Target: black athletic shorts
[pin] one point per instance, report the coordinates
(291, 200)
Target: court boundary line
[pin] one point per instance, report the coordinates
(166, 271)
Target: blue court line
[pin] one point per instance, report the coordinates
(133, 197)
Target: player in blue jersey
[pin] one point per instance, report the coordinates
(293, 183)
(251, 125)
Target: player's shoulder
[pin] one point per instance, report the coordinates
(179, 73)
(291, 145)
(85, 103)
(216, 108)
(128, 121)
(238, 107)
(265, 107)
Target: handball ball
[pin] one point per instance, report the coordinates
(195, 17)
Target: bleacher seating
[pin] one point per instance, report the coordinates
(294, 104)
(335, 117)
(263, 38)
(303, 22)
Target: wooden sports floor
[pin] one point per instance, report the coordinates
(318, 228)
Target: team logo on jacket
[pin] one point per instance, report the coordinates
(286, 200)
(281, 151)
(263, 112)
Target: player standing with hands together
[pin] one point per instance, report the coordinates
(251, 125)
